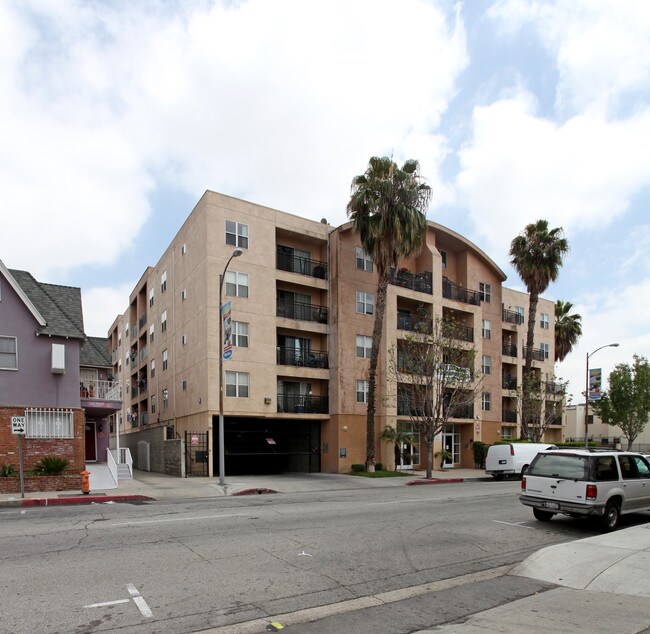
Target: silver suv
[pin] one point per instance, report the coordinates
(585, 482)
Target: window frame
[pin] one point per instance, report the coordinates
(362, 301)
(238, 284)
(237, 382)
(165, 359)
(486, 329)
(486, 401)
(544, 321)
(9, 353)
(366, 346)
(486, 368)
(363, 392)
(239, 234)
(366, 261)
(237, 336)
(485, 292)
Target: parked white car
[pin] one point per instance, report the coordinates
(580, 483)
(512, 458)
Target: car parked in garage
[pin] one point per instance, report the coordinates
(584, 482)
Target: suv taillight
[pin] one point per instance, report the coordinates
(592, 491)
(523, 484)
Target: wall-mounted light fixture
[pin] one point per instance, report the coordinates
(267, 400)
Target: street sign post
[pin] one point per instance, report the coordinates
(18, 428)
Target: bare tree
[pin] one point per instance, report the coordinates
(434, 373)
(542, 408)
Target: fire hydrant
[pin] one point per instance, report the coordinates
(85, 482)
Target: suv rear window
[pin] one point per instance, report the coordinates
(564, 466)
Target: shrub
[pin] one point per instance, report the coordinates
(7, 470)
(358, 468)
(379, 467)
(51, 465)
(480, 453)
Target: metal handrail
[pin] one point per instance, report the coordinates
(300, 311)
(300, 265)
(302, 358)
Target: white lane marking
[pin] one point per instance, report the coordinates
(105, 603)
(139, 601)
(22, 512)
(517, 524)
(393, 502)
(303, 553)
(177, 519)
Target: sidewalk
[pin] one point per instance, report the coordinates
(155, 486)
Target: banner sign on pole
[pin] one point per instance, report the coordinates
(226, 318)
(595, 383)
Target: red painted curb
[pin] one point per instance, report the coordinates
(253, 492)
(86, 499)
(434, 481)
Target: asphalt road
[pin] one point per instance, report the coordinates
(195, 565)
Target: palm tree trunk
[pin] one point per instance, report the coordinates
(528, 365)
(372, 378)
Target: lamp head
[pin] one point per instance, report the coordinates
(237, 252)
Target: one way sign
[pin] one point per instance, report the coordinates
(18, 425)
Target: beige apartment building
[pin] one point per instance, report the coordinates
(302, 296)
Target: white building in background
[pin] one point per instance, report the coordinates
(599, 432)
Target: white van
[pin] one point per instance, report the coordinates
(512, 458)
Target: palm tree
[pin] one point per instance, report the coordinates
(388, 208)
(568, 329)
(537, 255)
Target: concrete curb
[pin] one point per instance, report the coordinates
(444, 481)
(76, 500)
(253, 492)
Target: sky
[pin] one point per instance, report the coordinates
(115, 117)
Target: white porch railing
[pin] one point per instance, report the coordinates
(112, 466)
(103, 390)
(124, 458)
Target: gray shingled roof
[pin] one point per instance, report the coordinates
(60, 306)
(94, 353)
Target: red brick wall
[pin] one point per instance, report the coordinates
(73, 449)
(34, 484)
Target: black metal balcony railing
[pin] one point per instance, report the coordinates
(554, 420)
(142, 386)
(538, 354)
(458, 331)
(134, 392)
(300, 265)
(459, 293)
(422, 282)
(405, 408)
(461, 411)
(556, 389)
(134, 332)
(509, 416)
(144, 418)
(303, 312)
(512, 317)
(142, 321)
(299, 404)
(414, 324)
(302, 358)
(509, 383)
(509, 349)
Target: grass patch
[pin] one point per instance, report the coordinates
(381, 474)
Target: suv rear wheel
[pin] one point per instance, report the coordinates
(542, 516)
(611, 517)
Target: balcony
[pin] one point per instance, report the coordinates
(302, 358)
(303, 312)
(421, 282)
(405, 408)
(142, 321)
(459, 332)
(512, 317)
(301, 266)
(302, 404)
(134, 332)
(555, 389)
(509, 415)
(142, 386)
(538, 354)
(509, 383)
(509, 349)
(414, 324)
(459, 293)
(555, 421)
(461, 411)
(102, 391)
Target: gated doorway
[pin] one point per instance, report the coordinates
(196, 454)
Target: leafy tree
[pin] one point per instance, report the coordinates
(568, 329)
(435, 378)
(388, 208)
(537, 255)
(399, 438)
(542, 408)
(627, 402)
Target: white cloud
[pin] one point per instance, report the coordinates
(102, 304)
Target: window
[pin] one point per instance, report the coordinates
(365, 303)
(153, 368)
(362, 391)
(163, 322)
(126, 329)
(183, 295)
(119, 365)
(544, 347)
(8, 353)
(544, 321)
(364, 346)
(126, 359)
(236, 284)
(237, 384)
(153, 404)
(486, 365)
(49, 423)
(443, 256)
(184, 249)
(506, 432)
(520, 311)
(486, 329)
(150, 297)
(183, 340)
(236, 234)
(163, 282)
(184, 385)
(364, 261)
(485, 401)
(164, 359)
(240, 334)
(119, 339)
(165, 399)
(485, 291)
(151, 328)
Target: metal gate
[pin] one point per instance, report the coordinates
(196, 454)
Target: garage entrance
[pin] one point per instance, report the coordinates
(254, 446)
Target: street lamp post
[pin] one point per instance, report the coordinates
(222, 454)
(590, 354)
